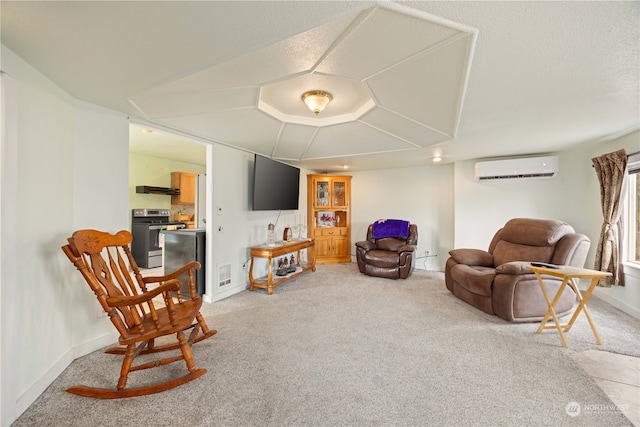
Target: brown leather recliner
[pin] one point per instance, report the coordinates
(498, 281)
(389, 257)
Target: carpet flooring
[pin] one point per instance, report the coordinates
(337, 348)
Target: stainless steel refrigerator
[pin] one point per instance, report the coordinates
(182, 247)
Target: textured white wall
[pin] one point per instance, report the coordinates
(100, 201)
(72, 172)
(481, 208)
(241, 227)
(8, 243)
(230, 187)
(423, 196)
(43, 206)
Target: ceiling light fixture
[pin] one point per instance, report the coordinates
(316, 100)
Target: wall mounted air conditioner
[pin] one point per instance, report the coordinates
(526, 167)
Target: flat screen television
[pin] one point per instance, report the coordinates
(276, 186)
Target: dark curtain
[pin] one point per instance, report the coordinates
(611, 170)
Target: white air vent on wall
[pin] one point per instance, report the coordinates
(224, 274)
(526, 167)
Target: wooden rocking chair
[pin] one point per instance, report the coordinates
(107, 265)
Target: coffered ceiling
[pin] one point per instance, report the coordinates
(410, 80)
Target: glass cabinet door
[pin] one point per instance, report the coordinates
(322, 193)
(339, 193)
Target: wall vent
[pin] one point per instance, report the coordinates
(224, 274)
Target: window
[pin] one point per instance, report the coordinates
(632, 211)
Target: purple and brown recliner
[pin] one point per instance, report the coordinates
(391, 257)
(498, 281)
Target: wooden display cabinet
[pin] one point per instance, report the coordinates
(186, 182)
(329, 217)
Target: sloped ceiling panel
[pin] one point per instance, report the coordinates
(352, 138)
(287, 57)
(402, 127)
(294, 140)
(159, 105)
(429, 86)
(248, 129)
(392, 37)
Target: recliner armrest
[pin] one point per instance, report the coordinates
(406, 248)
(472, 257)
(366, 245)
(514, 267)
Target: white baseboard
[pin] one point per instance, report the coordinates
(30, 396)
(620, 305)
(95, 344)
(210, 298)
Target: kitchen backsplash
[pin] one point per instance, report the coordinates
(188, 210)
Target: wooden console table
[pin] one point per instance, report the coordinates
(280, 249)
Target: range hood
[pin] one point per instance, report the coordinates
(148, 189)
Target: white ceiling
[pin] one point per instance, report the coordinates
(166, 145)
(409, 80)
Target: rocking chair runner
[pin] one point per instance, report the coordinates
(104, 260)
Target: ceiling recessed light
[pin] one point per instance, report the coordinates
(437, 158)
(145, 130)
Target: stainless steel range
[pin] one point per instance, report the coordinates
(147, 226)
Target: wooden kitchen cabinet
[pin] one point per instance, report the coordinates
(329, 217)
(186, 182)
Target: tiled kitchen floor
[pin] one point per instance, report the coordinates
(618, 376)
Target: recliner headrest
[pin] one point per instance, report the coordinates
(535, 232)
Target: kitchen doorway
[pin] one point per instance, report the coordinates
(155, 157)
